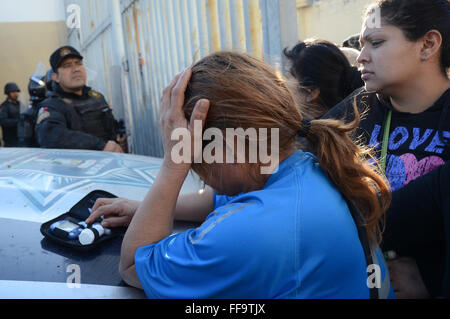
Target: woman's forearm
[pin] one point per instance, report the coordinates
(153, 220)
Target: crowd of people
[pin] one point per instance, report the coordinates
(363, 175)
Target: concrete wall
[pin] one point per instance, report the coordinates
(332, 20)
(29, 32)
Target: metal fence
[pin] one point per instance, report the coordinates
(133, 48)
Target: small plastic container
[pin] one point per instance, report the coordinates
(91, 234)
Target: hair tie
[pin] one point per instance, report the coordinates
(304, 128)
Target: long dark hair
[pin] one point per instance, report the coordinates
(416, 17)
(321, 64)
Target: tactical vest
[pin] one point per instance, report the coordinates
(92, 115)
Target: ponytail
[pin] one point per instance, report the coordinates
(348, 166)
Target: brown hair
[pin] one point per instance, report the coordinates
(247, 93)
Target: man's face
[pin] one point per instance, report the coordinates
(71, 74)
(13, 96)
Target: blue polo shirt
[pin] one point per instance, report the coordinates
(295, 238)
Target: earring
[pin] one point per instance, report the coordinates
(424, 58)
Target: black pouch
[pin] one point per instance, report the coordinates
(79, 213)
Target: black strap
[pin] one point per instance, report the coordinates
(363, 237)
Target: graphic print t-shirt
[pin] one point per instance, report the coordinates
(417, 142)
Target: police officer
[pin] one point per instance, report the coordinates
(37, 90)
(74, 116)
(9, 114)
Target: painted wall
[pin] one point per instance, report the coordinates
(29, 32)
(332, 20)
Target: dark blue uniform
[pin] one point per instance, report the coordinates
(9, 118)
(67, 120)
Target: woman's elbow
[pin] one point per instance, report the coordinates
(129, 276)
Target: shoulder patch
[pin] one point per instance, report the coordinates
(94, 94)
(42, 114)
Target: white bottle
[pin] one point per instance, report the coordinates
(91, 234)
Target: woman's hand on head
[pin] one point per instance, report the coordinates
(115, 211)
(173, 123)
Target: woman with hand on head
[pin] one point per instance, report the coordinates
(405, 58)
(306, 226)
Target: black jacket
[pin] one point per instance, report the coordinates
(67, 120)
(417, 166)
(9, 118)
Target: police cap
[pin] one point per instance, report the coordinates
(62, 53)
